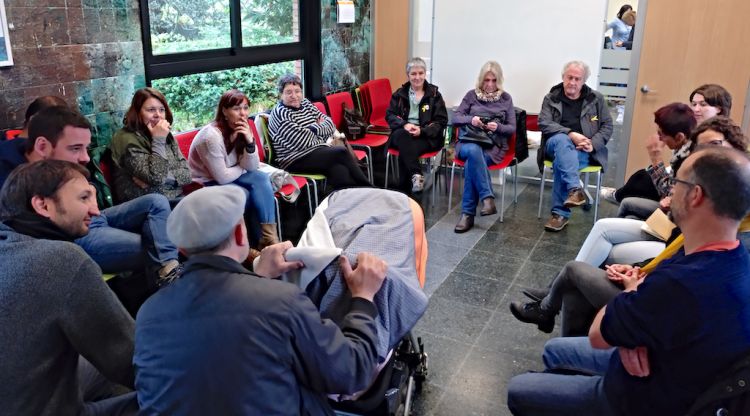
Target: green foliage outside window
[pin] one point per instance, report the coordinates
(194, 25)
(193, 98)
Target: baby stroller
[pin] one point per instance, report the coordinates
(391, 226)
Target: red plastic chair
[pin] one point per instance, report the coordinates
(429, 156)
(184, 140)
(335, 105)
(508, 161)
(285, 190)
(321, 107)
(377, 94)
(360, 154)
(12, 134)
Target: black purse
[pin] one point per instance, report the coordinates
(355, 125)
(477, 135)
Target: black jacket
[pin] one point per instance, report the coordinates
(433, 117)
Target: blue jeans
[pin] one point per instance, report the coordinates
(260, 195)
(131, 236)
(559, 394)
(567, 160)
(260, 207)
(477, 181)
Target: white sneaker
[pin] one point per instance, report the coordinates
(608, 194)
(417, 183)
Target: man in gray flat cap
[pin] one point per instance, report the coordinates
(224, 340)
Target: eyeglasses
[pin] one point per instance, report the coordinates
(673, 181)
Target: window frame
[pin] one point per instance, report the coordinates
(308, 49)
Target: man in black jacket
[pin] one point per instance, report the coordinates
(224, 340)
(576, 126)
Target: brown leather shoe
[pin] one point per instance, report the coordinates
(576, 198)
(488, 207)
(556, 223)
(464, 224)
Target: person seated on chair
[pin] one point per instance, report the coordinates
(490, 109)
(576, 126)
(224, 340)
(39, 104)
(707, 101)
(675, 122)
(224, 151)
(674, 331)
(62, 331)
(417, 118)
(127, 237)
(145, 155)
(582, 287)
(299, 135)
(621, 27)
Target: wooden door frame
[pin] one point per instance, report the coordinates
(627, 122)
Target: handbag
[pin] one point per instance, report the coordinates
(484, 138)
(339, 140)
(355, 125)
(476, 135)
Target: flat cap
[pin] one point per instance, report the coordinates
(206, 217)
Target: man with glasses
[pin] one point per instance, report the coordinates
(126, 237)
(677, 329)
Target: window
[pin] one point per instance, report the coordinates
(197, 49)
(269, 22)
(188, 25)
(193, 98)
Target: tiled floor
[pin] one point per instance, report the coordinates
(474, 344)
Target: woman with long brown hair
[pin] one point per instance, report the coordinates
(224, 152)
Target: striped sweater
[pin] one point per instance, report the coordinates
(295, 132)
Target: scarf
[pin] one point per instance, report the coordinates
(36, 226)
(488, 97)
(675, 246)
(681, 154)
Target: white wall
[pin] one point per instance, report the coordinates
(530, 39)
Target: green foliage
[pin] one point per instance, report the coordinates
(193, 98)
(192, 25)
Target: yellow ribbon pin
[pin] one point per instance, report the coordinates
(595, 118)
(425, 107)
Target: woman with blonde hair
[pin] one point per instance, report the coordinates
(485, 111)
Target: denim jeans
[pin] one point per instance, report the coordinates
(131, 236)
(260, 195)
(637, 208)
(565, 165)
(546, 393)
(477, 180)
(618, 240)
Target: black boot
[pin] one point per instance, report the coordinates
(532, 313)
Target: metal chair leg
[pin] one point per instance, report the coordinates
(541, 191)
(598, 192)
(502, 195)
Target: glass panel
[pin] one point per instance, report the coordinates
(193, 98)
(269, 22)
(188, 25)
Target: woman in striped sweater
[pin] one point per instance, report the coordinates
(299, 133)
